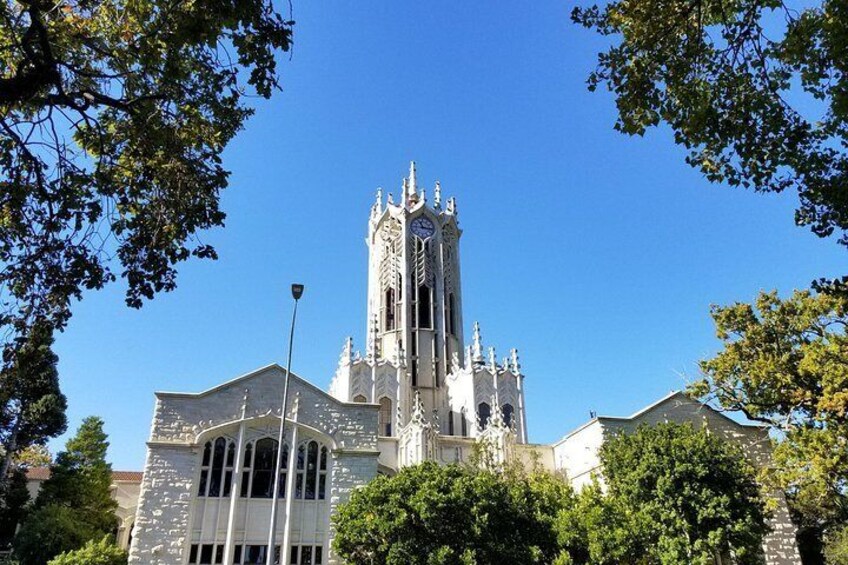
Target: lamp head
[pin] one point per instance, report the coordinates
(297, 291)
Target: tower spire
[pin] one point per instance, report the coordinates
(477, 347)
(413, 181)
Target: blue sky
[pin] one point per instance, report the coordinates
(595, 254)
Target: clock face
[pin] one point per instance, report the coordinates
(422, 227)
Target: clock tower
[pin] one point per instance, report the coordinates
(435, 393)
(414, 293)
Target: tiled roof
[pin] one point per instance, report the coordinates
(128, 476)
(38, 473)
(43, 473)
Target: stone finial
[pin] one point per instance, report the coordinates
(451, 207)
(477, 347)
(347, 352)
(378, 205)
(437, 196)
(244, 403)
(413, 180)
(516, 366)
(390, 199)
(505, 364)
(493, 361)
(295, 406)
(423, 196)
(455, 362)
(468, 356)
(404, 192)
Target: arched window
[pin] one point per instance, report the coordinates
(262, 477)
(257, 479)
(484, 412)
(216, 468)
(508, 411)
(450, 422)
(311, 478)
(360, 399)
(384, 423)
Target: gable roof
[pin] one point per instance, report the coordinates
(675, 394)
(250, 375)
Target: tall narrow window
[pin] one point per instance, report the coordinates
(451, 314)
(463, 422)
(390, 309)
(484, 412)
(450, 422)
(245, 475)
(228, 469)
(425, 308)
(414, 371)
(508, 411)
(204, 473)
(311, 470)
(322, 475)
(385, 417)
(263, 468)
(298, 479)
(217, 467)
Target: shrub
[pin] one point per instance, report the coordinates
(103, 552)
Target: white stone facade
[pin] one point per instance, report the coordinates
(181, 518)
(418, 393)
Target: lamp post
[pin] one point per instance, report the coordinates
(297, 292)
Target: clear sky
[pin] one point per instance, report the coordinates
(595, 254)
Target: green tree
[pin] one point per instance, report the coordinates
(785, 363)
(733, 80)
(675, 495)
(48, 531)
(431, 514)
(14, 501)
(32, 407)
(103, 552)
(836, 549)
(114, 118)
(74, 504)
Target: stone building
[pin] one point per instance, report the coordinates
(416, 393)
(124, 490)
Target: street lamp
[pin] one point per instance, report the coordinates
(297, 292)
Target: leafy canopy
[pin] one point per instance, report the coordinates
(674, 495)
(103, 552)
(432, 514)
(114, 115)
(733, 79)
(785, 363)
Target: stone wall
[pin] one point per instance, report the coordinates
(182, 422)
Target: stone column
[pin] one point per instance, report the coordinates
(235, 493)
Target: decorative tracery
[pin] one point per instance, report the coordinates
(390, 271)
(216, 468)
